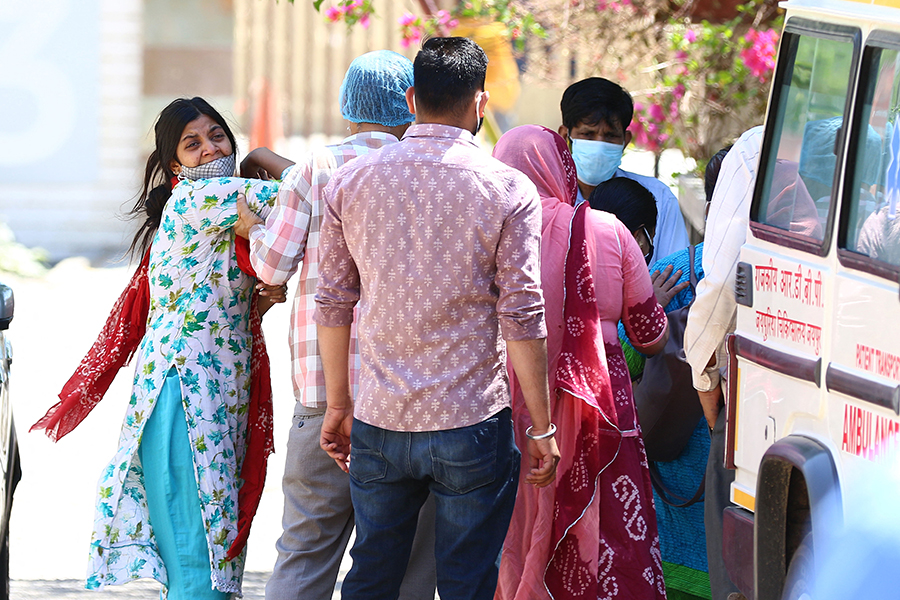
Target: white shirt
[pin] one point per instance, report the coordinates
(671, 234)
(712, 315)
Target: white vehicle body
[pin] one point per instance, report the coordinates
(814, 374)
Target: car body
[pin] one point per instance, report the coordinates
(9, 447)
(814, 370)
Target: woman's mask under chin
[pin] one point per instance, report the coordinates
(221, 167)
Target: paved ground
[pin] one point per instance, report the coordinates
(57, 318)
(73, 589)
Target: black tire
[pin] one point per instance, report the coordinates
(4, 566)
(799, 583)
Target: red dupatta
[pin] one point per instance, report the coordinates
(119, 339)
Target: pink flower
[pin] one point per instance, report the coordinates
(643, 137)
(614, 5)
(681, 55)
(411, 35)
(656, 113)
(673, 110)
(407, 19)
(638, 108)
(637, 130)
(690, 36)
(333, 14)
(759, 58)
(364, 21)
(678, 91)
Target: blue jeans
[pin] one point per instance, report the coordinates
(472, 472)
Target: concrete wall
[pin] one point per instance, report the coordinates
(70, 99)
(82, 84)
(302, 58)
(187, 52)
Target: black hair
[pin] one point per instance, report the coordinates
(448, 72)
(157, 186)
(711, 173)
(596, 100)
(632, 203)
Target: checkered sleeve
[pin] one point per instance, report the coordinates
(278, 247)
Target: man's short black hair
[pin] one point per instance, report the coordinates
(596, 100)
(448, 72)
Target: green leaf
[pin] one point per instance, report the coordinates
(317, 4)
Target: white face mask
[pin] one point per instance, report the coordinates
(596, 162)
(221, 167)
(479, 119)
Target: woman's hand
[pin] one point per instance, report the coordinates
(270, 295)
(275, 293)
(666, 286)
(251, 169)
(262, 163)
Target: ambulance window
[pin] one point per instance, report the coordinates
(809, 100)
(871, 225)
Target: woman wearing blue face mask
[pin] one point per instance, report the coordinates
(176, 501)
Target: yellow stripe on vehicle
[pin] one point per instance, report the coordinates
(742, 498)
(889, 3)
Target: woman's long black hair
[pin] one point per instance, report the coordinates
(157, 186)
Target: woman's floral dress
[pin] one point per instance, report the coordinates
(198, 323)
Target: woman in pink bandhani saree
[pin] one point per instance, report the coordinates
(592, 533)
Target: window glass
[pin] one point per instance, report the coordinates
(874, 227)
(800, 171)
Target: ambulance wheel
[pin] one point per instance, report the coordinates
(799, 582)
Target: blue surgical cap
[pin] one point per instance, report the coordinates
(374, 89)
(817, 158)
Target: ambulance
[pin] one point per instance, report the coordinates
(813, 398)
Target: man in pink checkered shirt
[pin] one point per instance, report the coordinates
(318, 516)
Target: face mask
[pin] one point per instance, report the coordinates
(221, 167)
(596, 162)
(480, 119)
(649, 253)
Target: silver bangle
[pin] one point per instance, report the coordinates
(550, 433)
